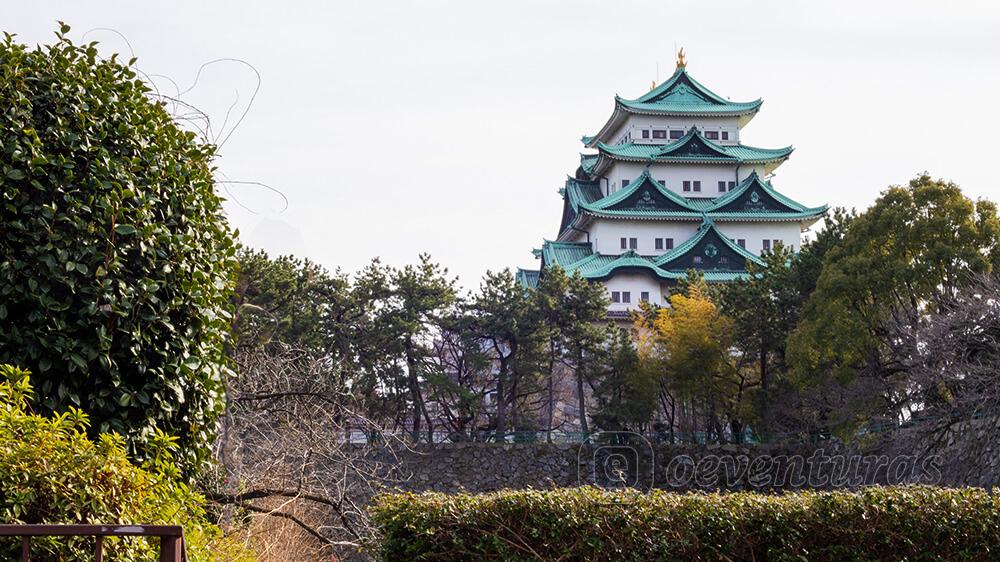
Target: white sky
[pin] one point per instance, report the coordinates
(447, 127)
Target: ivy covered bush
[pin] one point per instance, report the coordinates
(51, 472)
(905, 523)
(115, 259)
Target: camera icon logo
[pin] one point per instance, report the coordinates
(616, 460)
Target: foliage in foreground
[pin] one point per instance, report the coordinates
(115, 257)
(914, 522)
(51, 472)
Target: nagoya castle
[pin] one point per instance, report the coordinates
(671, 188)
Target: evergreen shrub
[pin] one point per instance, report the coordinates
(52, 473)
(880, 523)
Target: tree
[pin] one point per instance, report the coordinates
(951, 361)
(690, 345)
(410, 307)
(899, 260)
(292, 301)
(504, 326)
(625, 392)
(458, 391)
(569, 309)
(765, 307)
(116, 261)
(288, 452)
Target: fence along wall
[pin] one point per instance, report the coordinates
(967, 454)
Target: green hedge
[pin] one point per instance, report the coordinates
(913, 523)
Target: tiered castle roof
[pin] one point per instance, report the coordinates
(680, 96)
(692, 148)
(708, 250)
(753, 199)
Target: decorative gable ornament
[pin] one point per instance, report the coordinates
(646, 201)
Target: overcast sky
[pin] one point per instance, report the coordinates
(448, 127)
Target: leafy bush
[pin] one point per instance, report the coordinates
(116, 261)
(51, 472)
(906, 523)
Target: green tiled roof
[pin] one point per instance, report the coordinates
(736, 203)
(599, 266)
(563, 253)
(657, 199)
(753, 199)
(693, 147)
(580, 257)
(528, 278)
(707, 229)
(683, 95)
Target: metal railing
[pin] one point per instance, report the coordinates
(171, 537)
(367, 436)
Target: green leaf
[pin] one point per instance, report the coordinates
(125, 229)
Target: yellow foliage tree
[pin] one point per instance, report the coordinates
(689, 344)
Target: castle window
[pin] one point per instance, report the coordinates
(659, 243)
(766, 245)
(645, 133)
(644, 296)
(732, 185)
(616, 296)
(741, 242)
(624, 243)
(668, 243)
(696, 259)
(712, 135)
(633, 243)
(676, 134)
(625, 183)
(725, 135)
(696, 185)
(626, 296)
(659, 134)
(687, 185)
(722, 187)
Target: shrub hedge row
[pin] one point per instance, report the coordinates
(891, 523)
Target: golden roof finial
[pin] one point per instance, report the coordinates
(681, 63)
(652, 85)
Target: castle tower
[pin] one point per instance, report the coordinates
(670, 188)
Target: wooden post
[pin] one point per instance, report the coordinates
(25, 549)
(170, 549)
(99, 549)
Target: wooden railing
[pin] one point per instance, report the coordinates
(171, 537)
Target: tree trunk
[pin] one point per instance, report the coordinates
(550, 414)
(579, 391)
(763, 368)
(501, 398)
(413, 381)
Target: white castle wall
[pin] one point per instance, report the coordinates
(673, 175)
(636, 123)
(606, 235)
(790, 233)
(635, 283)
